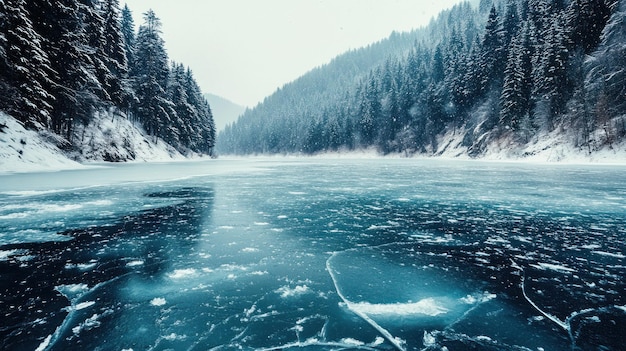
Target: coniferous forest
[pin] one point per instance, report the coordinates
(503, 73)
(62, 62)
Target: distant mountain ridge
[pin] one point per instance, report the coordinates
(224, 111)
(512, 78)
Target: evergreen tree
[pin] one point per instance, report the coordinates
(605, 78)
(114, 55)
(25, 68)
(92, 25)
(511, 21)
(75, 85)
(150, 77)
(515, 98)
(493, 55)
(127, 28)
(553, 86)
(370, 113)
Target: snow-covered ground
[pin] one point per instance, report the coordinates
(106, 138)
(553, 147)
(24, 150)
(115, 138)
(111, 137)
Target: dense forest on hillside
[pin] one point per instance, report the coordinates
(506, 73)
(62, 62)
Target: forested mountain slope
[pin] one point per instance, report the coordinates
(503, 76)
(66, 65)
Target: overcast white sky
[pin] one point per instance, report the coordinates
(243, 50)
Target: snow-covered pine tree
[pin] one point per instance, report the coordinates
(150, 77)
(493, 55)
(515, 98)
(180, 134)
(554, 87)
(4, 61)
(114, 55)
(127, 27)
(202, 122)
(512, 20)
(606, 78)
(25, 68)
(370, 110)
(76, 86)
(92, 26)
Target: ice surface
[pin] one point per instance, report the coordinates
(278, 254)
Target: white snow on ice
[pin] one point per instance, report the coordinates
(287, 292)
(158, 301)
(427, 307)
(183, 273)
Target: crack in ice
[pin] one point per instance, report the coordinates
(398, 344)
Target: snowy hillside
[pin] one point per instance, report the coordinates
(65, 91)
(24, 150)
(547, 148)
(505, 80)
(106, 138)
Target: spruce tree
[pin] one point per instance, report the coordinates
(202, 119)
(515, 98)
(493, 55)
(150, 77)
(370, 112)
(24, 77)
(114, 55)
(128, 33)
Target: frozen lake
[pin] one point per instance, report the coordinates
(316, 254)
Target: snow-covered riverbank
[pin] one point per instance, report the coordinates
(106, 138)
(116, 138)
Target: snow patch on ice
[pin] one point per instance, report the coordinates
(81, 266)
(73, 292)
(553, 267)
(287, 292)
(427, 307)
(429, 339)
(158, 301)
(5, 254)
(474, 299)
(135, 263)
(259, 273)
(44, 344)
(90, 323)
(81, 306)
(183, 273)
(352, 342)
(174, 336)
(609, 254)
